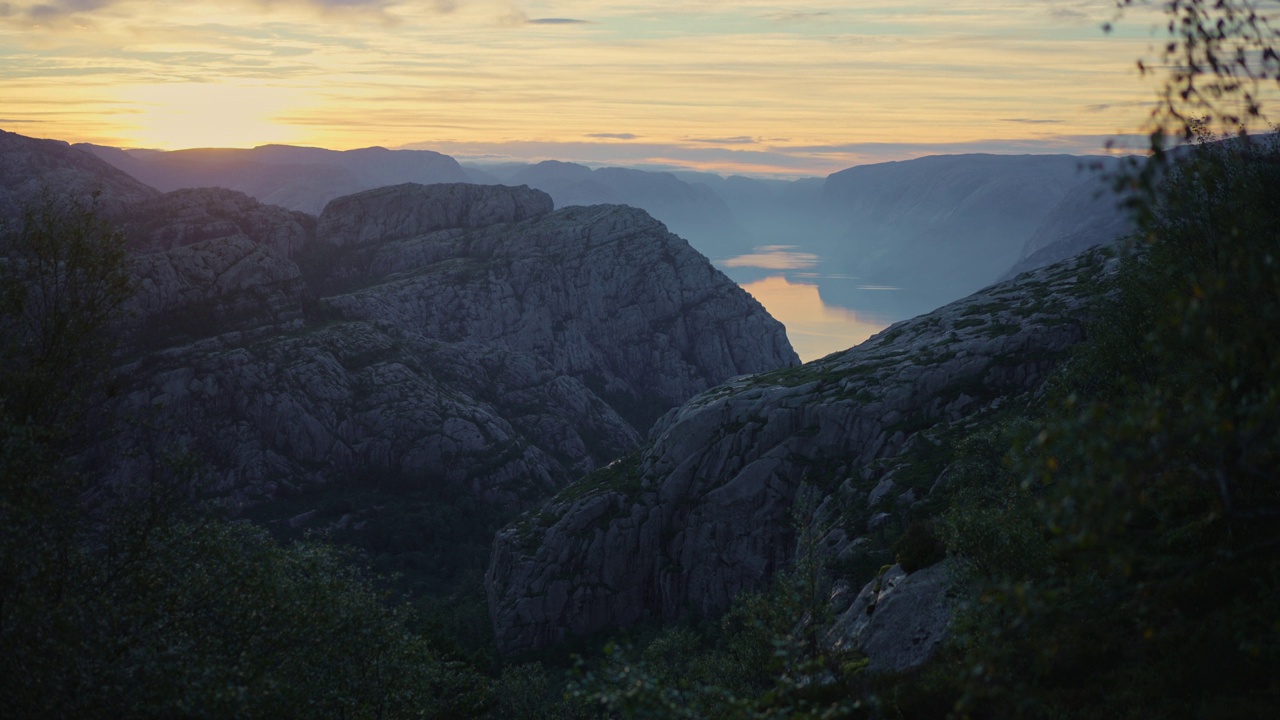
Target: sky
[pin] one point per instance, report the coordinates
(754, 87)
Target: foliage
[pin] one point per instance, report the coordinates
(919, 547)
(1159, 489)
(217, 620)
(63, 282)
(1218, 61)
(990, 524)
(765, 658)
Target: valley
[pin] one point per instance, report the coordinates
(735, 444)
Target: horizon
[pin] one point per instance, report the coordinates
(481, 163)
(759, 88)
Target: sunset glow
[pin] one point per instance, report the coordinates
(755, 86)
(814, 328)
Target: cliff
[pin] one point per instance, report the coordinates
(704, 510)
(417, 335)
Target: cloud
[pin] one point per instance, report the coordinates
(613, 136)
(739, 140)
(795, 16)
(557, 21)
(54, 11)
(1074, 11)
(1102, 107)
(1030, 121)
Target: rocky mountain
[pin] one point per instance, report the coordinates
(920, 232)
(705, 509)
(298, 178)
(212, 261)
(32, 166)
(417, 335)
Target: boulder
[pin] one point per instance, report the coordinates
(898, 620)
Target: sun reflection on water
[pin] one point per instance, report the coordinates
(814, 328)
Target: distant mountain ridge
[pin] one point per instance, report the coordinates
(943, 226)
(921, 232)
(299, 178)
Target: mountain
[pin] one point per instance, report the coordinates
(458, 334)
(889, 239)
(299, 178)
(704, 511)
(1089, 215)
(33, 167)
(940, 227)
(413, 336)
(690, 209)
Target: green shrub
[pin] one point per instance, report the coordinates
(919, 547)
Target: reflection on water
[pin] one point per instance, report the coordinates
(814, 328)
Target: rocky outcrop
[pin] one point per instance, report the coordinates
(30, 167)
(186, 217)
(210, 261)
(359, 401)
(408, 210)
(440, 334)
(898, 620)
(704, 511)
(604, 294)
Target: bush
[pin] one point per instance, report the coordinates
(919, 547)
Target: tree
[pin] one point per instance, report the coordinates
(1155, 478)
(63, 284)
(1218, 62)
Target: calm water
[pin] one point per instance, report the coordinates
(815, 328)
(824, 311)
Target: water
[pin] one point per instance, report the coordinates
(825, 310)
(815, 328)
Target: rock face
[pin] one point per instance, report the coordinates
(417, 335)
(704, 511)
(603, 294)
(358, 401)
(408, 210)
(898, 620)
(185, 217)
(209, 261)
